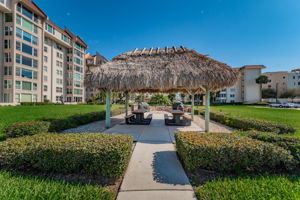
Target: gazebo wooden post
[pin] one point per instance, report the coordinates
(108, 106)
(207, 110)
(126, 102)
(193, 105)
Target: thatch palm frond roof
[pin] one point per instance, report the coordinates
(162, 70)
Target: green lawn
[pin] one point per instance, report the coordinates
(13, 114)
(286, 116)
(255, 188)
(16, 187)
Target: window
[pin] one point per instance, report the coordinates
(26, 73)
(70, 74)
(18, 98)
(26, 85)
(18, 71)
(77, 84)
(34, 86)
(59, 72)
(65, 38)
(232, 90)
(7, 84)
(7, 71)
(45, 59)
(20, 59)
(59, 81)
(50, 28)
(59, 89)
(78, 77)
(26, 36)
(45, 78)
(27, 12)
(26, 48)
(45, 88)
(69, 91)
(7, 57)
(6, 44)
(8, 30)
(283, 77)
(232, 95)
(45, 68)
(78, 61)
(298, 83)
(45, 49)
(8, 17)
(26, 24)
(34, 98)
(6, 97)
(18, 85)
(78, 91)
(78, 68)
(59, 55)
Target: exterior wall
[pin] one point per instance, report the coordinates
(51, 68)
(252, 90)
(245, 90)
(277, 80)
(293, 80)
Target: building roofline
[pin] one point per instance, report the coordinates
(253, 67)
(35, 7)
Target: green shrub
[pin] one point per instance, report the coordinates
(230, 152)
(99, 154)
(247, 124)
(251, 188)
(38, 103)
(26, 128)
(287, 142)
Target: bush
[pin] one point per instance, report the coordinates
(247, 124)
(26, 128)
(230, 152)
(58, 125)
(289, 143)
(93, 154)
(38, 103)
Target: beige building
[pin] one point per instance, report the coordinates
(246, 90)
(93, 61)
(40, 60)
(281, 81)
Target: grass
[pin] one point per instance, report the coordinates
(15, 187)
(286, 116)
(13, 114)
(251, 188)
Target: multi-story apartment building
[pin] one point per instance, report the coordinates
(283, 80)
(93, 61)
(246, 90)
(40, 60)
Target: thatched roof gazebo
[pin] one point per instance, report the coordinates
(162, 71)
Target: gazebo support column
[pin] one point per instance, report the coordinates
(126, 102)
(207, 110)
(108, 106)
(193, 105)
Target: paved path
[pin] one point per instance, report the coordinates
(154, 171)
(214, 127)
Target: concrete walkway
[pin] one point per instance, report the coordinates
(154, 171)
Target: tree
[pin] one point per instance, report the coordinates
(290, 93)
(160, 99)
(172, 97)
(268, 93)
(262, 79)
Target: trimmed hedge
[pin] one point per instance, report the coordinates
(26, 128)
(93, 154)
(230, 152)
(287, 142)
(58, 125)
(247, 124)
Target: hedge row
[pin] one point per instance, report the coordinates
(230, 153)
(247, 124)
(26, 128)
(54, 125)
(93, 154)
(291, 144)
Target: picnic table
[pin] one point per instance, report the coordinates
(139, 115)
(176, 115)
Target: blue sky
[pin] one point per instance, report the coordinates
(236, 32)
